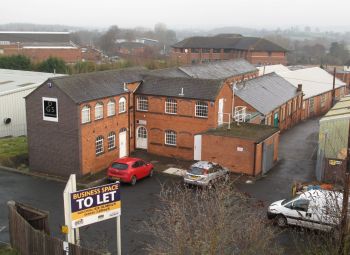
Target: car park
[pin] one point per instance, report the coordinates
(315, 209)
(204, 173)
(129, 170)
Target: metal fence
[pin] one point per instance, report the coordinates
(29, 233)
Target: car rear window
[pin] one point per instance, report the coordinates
(119, 166)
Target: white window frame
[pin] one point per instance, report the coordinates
(323, 100)
(98, 111)
(86, 110)
(142, 103)
(170, 137)
(122, 105)
(170, 104)
(289, 108)
(47, 118)
(111, 108)
(111, 140)
(200, 108)
(99, 149)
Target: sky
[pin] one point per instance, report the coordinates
(187, 14)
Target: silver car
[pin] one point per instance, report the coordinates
(204, 173)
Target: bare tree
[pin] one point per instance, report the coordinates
(203, 221)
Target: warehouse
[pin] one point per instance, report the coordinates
(14, 86)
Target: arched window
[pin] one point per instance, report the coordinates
(98, 111)
(111, 141)
(122, 105)
(85, 114)
(201, 109)
(111, 108)
(170, 137)
(99, 145)
(171, 106)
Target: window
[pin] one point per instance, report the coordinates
(171, 106)
(111, 108)
(201, 109)
(301, 205)
(111, 141)
(170, 137)
(289, 108)
(142, 103)
(205, 50)
(216, 50)
(294, 104)
(98, 111)
(195, 50)
(99, 145)
(323, 100)
(311, 104)
(85, 114)
(283, 112)
(122, 105)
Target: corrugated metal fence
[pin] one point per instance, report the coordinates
(28, 240)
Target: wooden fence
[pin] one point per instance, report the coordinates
(31, 237)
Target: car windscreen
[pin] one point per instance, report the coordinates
(119, 166)
(287, 201)
(196, 171)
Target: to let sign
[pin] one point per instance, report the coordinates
(95, 204)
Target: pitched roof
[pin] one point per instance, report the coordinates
(315, 80)
(169, 72)
(202, 89)
(272, 68)
(90, 86)
(340, 110)
(219, 69)
(266, 93)
(221, 42)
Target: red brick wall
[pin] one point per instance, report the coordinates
(229, 155)
(184, 123)
(90, 162)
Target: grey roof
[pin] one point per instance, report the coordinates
(202, 89)
(169, 72)
(219, 69)
(222, 42)
(91, 86)
(22, 37)
(266, 93)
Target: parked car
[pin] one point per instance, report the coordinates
(129, 170)
(316, 209)
(204, 173)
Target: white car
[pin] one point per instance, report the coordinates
(204, 173)
(316, 209)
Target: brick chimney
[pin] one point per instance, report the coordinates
(300, 87)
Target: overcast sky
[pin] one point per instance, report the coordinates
(179, 13)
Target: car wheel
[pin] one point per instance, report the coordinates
(151, 173)
(133, 180)
(281, 221)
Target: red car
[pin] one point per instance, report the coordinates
(129, 170)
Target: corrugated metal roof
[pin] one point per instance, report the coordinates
(14, 80)
(90, 86)
(315, 80)
(27, 36)
(266, 93)
(272, 69)
(172, 87)
(340, 110)
(219, 69)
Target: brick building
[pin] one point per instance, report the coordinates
(257, 51)
(269, 99)
(79, 124)
(39, 46)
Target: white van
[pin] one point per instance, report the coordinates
(317, 209)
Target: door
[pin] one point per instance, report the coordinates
(275, 120)
(122, 144)
(221, 112)
(141, 139)
(197, 147)
(268, 151)
(297, 213)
